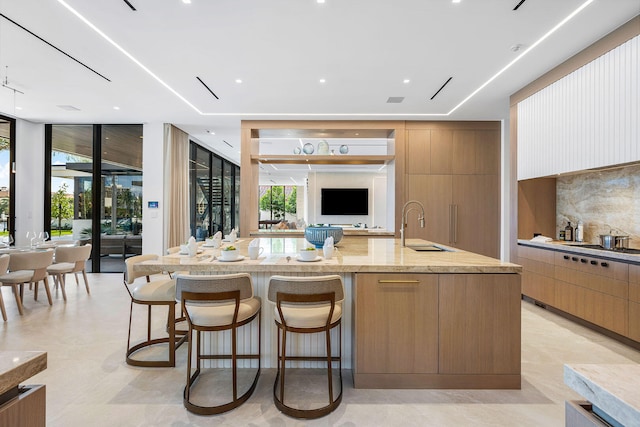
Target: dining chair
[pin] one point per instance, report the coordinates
(157, 290)
(307, 305)
(28, 267)
(4, 265)
(70, 259)
(219, 303)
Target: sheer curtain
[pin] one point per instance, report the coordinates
(177, 176)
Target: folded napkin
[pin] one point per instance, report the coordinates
(218, 235)
(254, 243)
(542, 239)
(328, 242)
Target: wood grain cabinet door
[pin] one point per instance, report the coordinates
(634, 302)
(396, 321)
(479, 324)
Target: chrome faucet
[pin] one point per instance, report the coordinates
(405, 212)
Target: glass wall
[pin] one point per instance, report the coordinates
(215, 191)
(278, 204)
(7, 153)
(112, 155)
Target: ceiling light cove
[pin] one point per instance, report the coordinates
(327, 114)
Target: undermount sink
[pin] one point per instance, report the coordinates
(428, 248)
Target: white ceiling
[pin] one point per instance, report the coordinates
(280, 49)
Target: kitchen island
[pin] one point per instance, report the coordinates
(411, 319)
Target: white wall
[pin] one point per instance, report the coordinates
(153, 155)
(29, 192)
(318, 181)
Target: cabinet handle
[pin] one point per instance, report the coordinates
(566, 257)
(455, 224)
(403, 282)
(451, 224)
(594, 262)
(582, 260)
(604, 264)
(574, 259)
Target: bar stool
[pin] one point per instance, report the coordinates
(307, 305)
(160, 291)
(214, 303)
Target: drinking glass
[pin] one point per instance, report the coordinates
(44, 236)
(32, 238)
(7, 240)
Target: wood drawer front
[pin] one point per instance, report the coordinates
(593, 265)
(616, 288)
(634, 321)
(479, 324)
(537, 267)
(634, 283)
(542, 255)
(539, 287)
(397, 323)
(595, 307)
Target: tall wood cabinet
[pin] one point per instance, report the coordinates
(454, 170)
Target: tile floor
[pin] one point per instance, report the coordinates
(88, 383)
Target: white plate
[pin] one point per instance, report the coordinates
(199, 251)
(318, 258)
(240, 258)
(210, 246)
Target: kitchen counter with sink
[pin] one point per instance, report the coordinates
(421, 316)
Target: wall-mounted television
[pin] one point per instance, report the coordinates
(344, 201)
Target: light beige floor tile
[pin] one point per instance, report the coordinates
(89, 384)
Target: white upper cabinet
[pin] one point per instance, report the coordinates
(588, 119)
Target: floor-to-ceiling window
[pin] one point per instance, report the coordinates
(215, 191)
(109, 215)
(7, 177)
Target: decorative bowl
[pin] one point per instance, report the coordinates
(317, 235)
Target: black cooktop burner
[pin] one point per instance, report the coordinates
(623, 251)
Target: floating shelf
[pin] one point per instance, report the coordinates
(314, 159)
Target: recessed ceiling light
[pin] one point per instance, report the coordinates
(211, 132)
(186, 1)
(238, 80)
(455, 1)
(18, 108)
(323, 81)
(320, 1)
(405, 81)
(116, 107)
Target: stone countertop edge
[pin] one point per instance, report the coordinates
(354, 256)
(558, 245)
(612, 388)
(18, 366)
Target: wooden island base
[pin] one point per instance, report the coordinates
(437, 331)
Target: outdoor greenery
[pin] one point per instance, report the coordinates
(275, 201)
(61, 206)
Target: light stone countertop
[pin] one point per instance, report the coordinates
(18, 366)
(612, 388)
(353, 255)
(558, 245)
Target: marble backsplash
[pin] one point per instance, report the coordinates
(605, 201)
